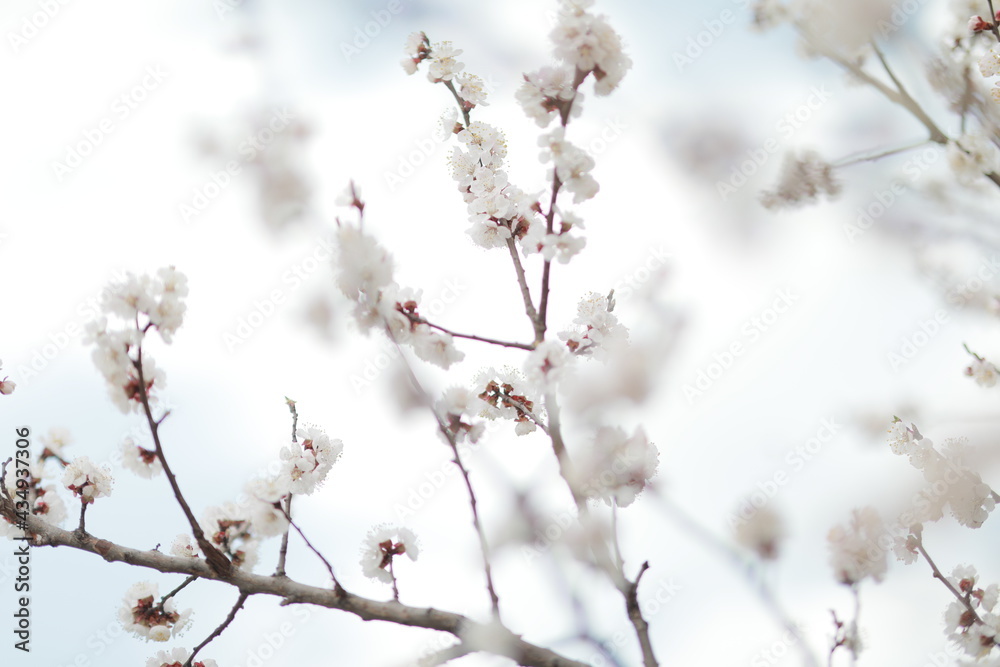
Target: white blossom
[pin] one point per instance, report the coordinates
(855, 550)
(308, 462)
(589, 44)
(547, 365)
(183, 546)
(86, 480)
(143, 462)
(142, 615)
(761, 533)
(383, 543)
(617, 467)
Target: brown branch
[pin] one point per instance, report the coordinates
(216, 559)
(292, 592)
(219, 630)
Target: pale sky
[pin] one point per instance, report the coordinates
(146, 82)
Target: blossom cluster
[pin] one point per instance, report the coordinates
(854, 551)
(616, 467)
(364, 275)
(950, 478)
(598, 332)
(142, 302)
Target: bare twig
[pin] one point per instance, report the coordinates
(219, 630)
(450, 438)
(964, 599)
(177, 590)
(481, 339)
(329, 568)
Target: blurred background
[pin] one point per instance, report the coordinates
(134, 138)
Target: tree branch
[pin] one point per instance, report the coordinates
(292, 592)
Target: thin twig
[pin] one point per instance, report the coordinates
(329, 568)
(83, 513)
(219, 630)
(529, 306)
(219, 563)
(283, 551)
(177, 590)
(481, 339)
(944, 580)
(870, 156)
(461, 103)
(450, 438)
